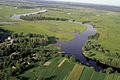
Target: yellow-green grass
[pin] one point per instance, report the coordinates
(76, 72)
(51, 28)
(110, 77)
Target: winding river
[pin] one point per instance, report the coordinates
(17, 17)
(74, 46)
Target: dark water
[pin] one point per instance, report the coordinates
(74, 46)
(1, 60)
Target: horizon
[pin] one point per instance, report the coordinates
(100, 2)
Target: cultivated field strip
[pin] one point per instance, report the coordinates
(61, 62)
(63, 71)
(76, 72)
(92, 75)
(116, 76)
(110, 77)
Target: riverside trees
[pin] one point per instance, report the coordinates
(94, 51)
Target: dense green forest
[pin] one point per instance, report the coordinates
(35, 18)
(22, 52)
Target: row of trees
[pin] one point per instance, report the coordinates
(34, 18)
(112, 58)
(95, 36)
(4, 34)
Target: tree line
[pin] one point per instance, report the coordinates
(97, 47)
(36, 18)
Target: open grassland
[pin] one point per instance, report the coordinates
(59, 29)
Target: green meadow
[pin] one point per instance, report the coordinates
(59, 29)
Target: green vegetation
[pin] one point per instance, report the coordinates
(29, 48)
(50, 72)
(89, 74)
(95, 51)
(67, 71)
(58, 29)
(23, 52)
(76, 72)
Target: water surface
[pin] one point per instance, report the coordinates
(74, 46)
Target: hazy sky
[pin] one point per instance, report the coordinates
(108, 2)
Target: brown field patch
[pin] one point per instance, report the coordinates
(62, 62)
(47, 63)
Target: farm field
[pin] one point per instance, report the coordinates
(50, 72)
(67, 71)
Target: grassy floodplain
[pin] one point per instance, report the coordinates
(52, 28)
(106, 23)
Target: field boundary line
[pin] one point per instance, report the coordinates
(62, 62)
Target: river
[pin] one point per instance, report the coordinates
(17, 17)
(74, 46)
